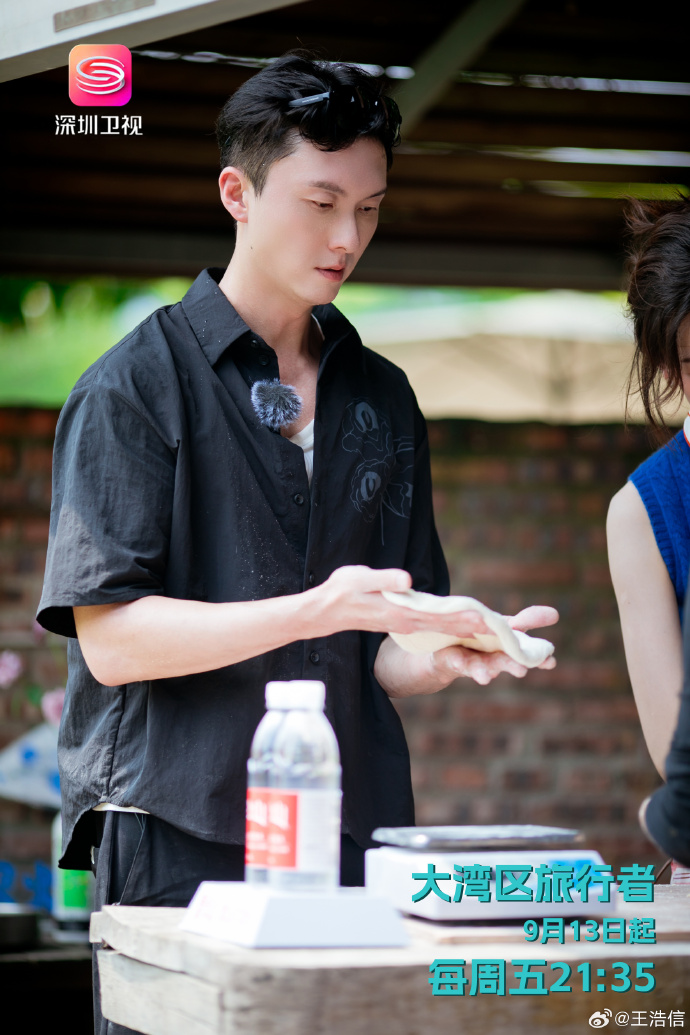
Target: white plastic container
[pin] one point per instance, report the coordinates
(259, 766)
(304, 805)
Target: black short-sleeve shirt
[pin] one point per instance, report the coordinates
(166, 483)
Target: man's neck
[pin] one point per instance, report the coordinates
(285, 326)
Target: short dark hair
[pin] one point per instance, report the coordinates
(658, 298)
(256, 125)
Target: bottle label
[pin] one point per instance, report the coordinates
(303, 830)
(256, 841)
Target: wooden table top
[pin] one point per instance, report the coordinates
(152, 935)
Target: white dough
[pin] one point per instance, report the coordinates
(529, 651)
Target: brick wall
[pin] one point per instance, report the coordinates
(26, 441)
(521, 511)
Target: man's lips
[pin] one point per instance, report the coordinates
(335, 273)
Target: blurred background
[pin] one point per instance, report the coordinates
(496, 281)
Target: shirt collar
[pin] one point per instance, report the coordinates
(214, 320)
(217, 324)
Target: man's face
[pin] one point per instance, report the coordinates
(316, 214)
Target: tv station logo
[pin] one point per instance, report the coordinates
(100, 74)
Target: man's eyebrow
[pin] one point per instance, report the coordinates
(335, 189)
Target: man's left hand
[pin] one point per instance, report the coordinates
(402, 674)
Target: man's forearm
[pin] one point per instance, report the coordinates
(159, 637)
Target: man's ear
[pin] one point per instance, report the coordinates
(233, 187)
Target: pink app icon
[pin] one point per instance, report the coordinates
(100, 74)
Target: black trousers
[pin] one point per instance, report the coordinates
(142, 861)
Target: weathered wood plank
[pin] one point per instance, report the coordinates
(358, 1001)
(156, 1001)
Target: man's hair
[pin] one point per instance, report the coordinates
(658, 298)
(256, 126)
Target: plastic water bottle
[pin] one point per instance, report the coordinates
(258, 792)
(304, 805)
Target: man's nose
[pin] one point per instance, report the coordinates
(345, 235)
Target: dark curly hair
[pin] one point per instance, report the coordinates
(658, 299)
(256, 125)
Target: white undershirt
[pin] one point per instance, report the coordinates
(305, 440)
(105, 806)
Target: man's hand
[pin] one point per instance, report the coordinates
(403, 675)
(352, 599)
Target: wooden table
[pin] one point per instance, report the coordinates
(163, 981)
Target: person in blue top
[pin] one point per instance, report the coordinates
(648, 526)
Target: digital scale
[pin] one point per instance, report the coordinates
(437, 850)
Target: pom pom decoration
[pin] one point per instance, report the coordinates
(275, 404)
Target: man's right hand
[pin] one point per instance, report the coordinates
(352, 598)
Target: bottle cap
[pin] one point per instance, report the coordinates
(303, 693)
(278, 695)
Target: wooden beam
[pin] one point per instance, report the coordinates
(38, 34)
(462, 42)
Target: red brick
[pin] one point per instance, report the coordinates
(8, 528)
(463, 776)
(37, 459)
(582, 471)
(546, 437)
(440, 499)
(25, 843)
(620, 742)
(13, 492)
(596, 538)
(435, 811)
(35, 530)
(608, 710)
(596, 574)
(641, 781)
(495, 711)
(578, 811)
(533, 469)
(479, 471)
(497, 571)
(593, 504)
(526, 780)
(584, 676)
(8, 458)
(587, 778)
(439, 433)
(25, 422)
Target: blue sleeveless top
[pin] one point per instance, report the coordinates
(663, 482)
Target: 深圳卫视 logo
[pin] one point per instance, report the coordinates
(100, 74)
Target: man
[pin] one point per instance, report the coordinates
(189, 552)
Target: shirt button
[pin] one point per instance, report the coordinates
(314, 657)
(263, 361)
(311, 578)
(298, 499)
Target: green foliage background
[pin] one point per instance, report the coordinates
(51, 331)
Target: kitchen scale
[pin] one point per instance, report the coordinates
(408, 850)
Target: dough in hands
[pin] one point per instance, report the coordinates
(529, 651)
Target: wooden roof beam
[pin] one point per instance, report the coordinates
(462, 42)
